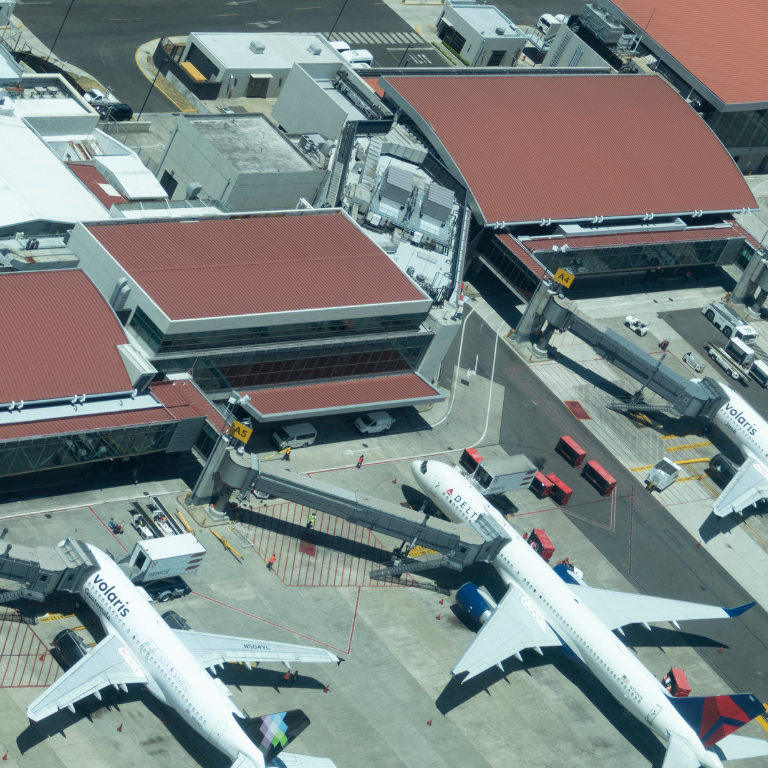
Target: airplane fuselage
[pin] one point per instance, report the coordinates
(550, 599)
(744, 426)
(175, 677)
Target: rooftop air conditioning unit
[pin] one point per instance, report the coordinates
(601, 23)
(500, 30)
(257, 46)
(315, 49)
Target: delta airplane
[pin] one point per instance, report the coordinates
(140, 647)
(749, 431)
(545, 606)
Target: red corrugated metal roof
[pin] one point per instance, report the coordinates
(736, 74)
(377, 391)
(534, 147)
(249, 266)
(629, 238)
(59, 339)
(522, 255)
(183, 399)
(94, 181)
(374, 83)
(750, 239)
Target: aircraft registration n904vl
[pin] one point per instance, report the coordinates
(545, 606)
(140, 647)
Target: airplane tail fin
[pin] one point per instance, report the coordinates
(715, 717)
(273, 733)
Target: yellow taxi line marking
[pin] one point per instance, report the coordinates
(760, 719)
(688, 447)
(669, 437)
(641, 469)
(56, 616)
(758, 538)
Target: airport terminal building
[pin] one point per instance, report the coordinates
(614, 178)
(267, 301)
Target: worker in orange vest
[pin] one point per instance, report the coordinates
(271, 562)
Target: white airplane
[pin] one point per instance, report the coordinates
(745, 427)
(140, 647)
(546, 606)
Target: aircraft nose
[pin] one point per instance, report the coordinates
(416, 469)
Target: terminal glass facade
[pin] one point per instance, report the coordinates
(242, 337)
(510, 268)
(740, 129)
(278, 365)
(52, 451)
(642, 256)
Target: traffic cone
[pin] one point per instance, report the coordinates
(438, 616)
(41, 657)
(325, 690)
(442, 601)
(698, 544)
(720, 649)
(394, 482)
(120, 729)
(429, 722)
(5, 756)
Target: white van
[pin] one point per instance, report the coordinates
(361, 59)
(724, 318)
(759, 372)
(340, 46)
(546, 20)
(294, 436)
(374, 422)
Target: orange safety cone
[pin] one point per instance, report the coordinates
(5, 756)
(325, 690)
(120, 729)
(394, 482)
(698, 544)
(429, 722)
(720, 649)
(438, 616)
(41, 657)
(442, 601)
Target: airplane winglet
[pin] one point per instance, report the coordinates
(739, 609)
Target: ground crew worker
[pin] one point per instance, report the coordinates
(294, 677)
(311, 521)
(271, 562)
(287, 454)
(360, 462)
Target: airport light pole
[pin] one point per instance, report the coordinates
(56, 40)
(337, 18)
(141, 111)
(404, 55)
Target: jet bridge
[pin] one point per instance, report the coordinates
(702, 398)
(458, 545)
(43, 570)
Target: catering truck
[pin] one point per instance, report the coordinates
(510, 473)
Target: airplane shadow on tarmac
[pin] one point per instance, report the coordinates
(714, 526)
(200, 750)
(455, 694)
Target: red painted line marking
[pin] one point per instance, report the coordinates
(282, 543)
(108, 529)
(13, 643)
(23, 671)
(280, 626)
(336, 554)
(359, 547)
(327, 520)
(354, 620)
(314, 555)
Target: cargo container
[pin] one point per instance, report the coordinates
(571, 451)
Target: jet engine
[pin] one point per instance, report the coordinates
(475, 602)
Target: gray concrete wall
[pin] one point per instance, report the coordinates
(567, 48)
(445, 327)
(190, 157)
(304, 107)
(273, 191)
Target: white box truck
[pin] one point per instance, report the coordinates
(158, 565)
(510, 473)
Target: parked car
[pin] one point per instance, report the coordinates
(374, 422)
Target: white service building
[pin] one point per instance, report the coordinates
(481, 34)
(253, 65)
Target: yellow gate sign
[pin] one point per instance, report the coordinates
(564, 278)
(240, 432)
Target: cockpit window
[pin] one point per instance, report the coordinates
(423, 467)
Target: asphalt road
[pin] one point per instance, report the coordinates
(697, 331)
(102, 36)
(642, 540)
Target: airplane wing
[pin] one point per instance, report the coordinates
(679, 754)
(515, 625)
(748, 486)
(109, 663)
(616, 609)
(217, 649)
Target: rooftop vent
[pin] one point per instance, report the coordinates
(315, 49)
(500, 30)
(257, 46)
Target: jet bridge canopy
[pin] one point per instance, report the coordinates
(688, 398)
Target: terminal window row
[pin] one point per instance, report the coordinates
(241, 337)
(257, 368)
(740, 129)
